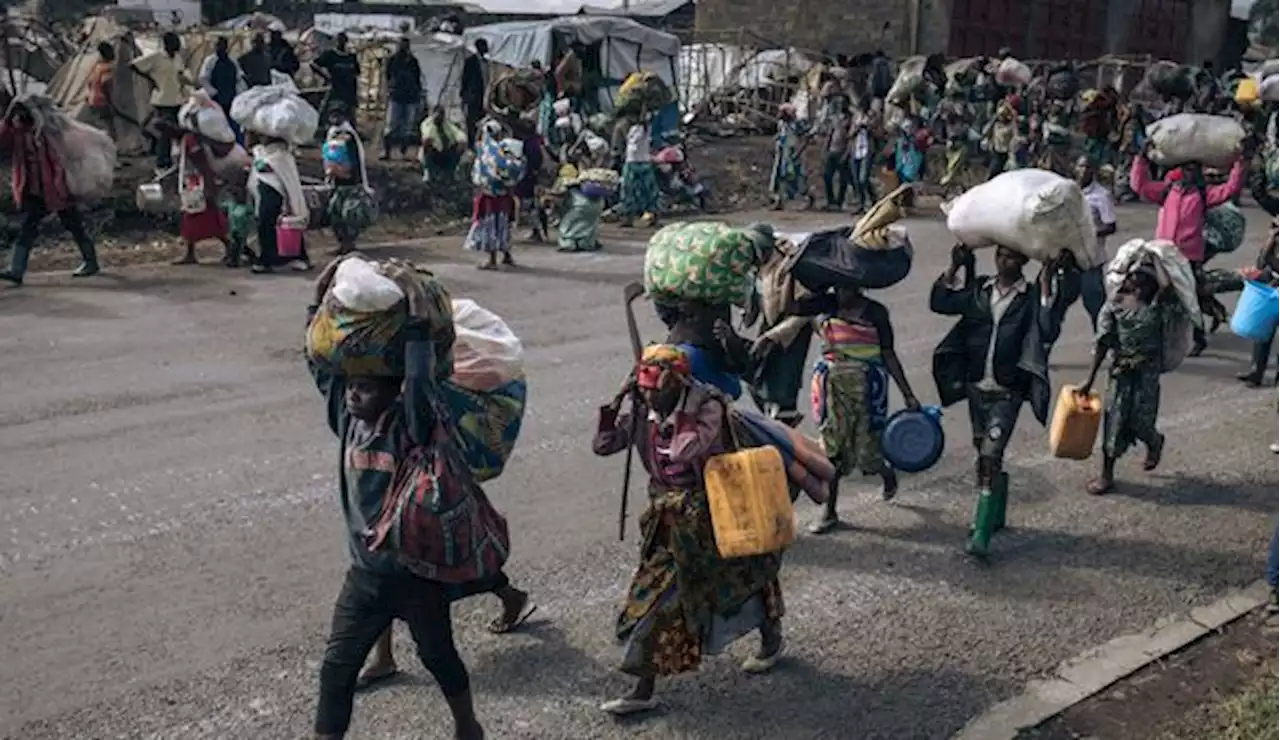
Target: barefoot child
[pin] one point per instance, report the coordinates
(1131, 327)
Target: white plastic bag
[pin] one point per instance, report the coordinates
(360, 286)
(1195, 137)
(202, 114)
(1036, 212)
(276, 111)
(1013, 73)
(910, 78)
(486, 353)
(89, 160)
(1172, 271)
(233, 166)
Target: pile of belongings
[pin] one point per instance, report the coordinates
(1063, 83)
(1013, 73)
(1213, 141)
(910, 78)
(516, 92)
(499, 165)
(87, 154)
(876, 253)
(1036, 212)
(276, 111)
(642, 91)
(228, 159)
(359, 329)
(705, 261)
(1172, 271)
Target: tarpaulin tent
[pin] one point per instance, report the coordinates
(625, 46)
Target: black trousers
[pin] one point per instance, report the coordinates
(365, 608)
(162, 147)
(270, 208)
(33, 212)
(836, 176)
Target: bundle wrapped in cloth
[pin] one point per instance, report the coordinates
(499, 165)
(910, 78)
(642, 90)
(516, 92)
(1036, 212)
(1172, 271)
(876, 253)
(87, 154)
(705, 261)
(276, 111)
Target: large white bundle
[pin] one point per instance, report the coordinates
(203, 115)
(276, 111)
(486, 353)
(910, 78)
(1013, 73)
(1036, 212)
(1195, 137)
(360, 286)
(1172, 271)
(89, 160)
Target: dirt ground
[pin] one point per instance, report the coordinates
(1220, 688)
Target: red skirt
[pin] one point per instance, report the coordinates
(211, 223)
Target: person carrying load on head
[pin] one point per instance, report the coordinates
(995, 359)
(1132, 327)
(351, 206)
(787, 180)
(685, 600)
(1184, 198)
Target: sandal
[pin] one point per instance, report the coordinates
(366, 682)
(763, 663)
(501, 626)
(823, 526)
(628, 706)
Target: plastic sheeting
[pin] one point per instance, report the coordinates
(705, 69)
(626, 46)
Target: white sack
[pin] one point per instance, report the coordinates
(1172, 271)
(89, 160)
(486, 353)
(1013, 73)
(276, 111)
(203, 115)
(1195, 137)
(910, 78)
(359, 286)
(1036, 212)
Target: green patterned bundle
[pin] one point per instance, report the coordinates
(704, 261)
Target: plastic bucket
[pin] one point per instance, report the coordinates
(289, 238)
(912, 441)
(1257, 312)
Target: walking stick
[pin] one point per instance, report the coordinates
(629, 294)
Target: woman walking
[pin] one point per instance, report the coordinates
(199, 198)
(276, 187)
(351, 208)
(639, 191)
(684, 601)
(850, 388)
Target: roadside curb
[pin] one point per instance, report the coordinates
(1095, 669)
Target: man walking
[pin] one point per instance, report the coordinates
(404, 92)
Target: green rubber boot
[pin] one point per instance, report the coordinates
(984, 519)
(1000, 494)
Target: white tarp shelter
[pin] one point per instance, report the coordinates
(625, 45)
(441, 56)
(706, 69)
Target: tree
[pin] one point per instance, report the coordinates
(1265, 22)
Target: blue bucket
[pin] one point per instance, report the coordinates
(1257, 312)
(912, 441)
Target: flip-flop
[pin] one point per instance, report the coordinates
(756, 664)
(625, 707)
(823, 526)
(498, 627)
(364, 683)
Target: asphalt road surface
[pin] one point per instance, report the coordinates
(171, 542)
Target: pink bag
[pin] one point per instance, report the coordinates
(289, 231)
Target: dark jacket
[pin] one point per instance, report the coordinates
(404, 78)
(256, 66)
(283, 57)
(1020, 362)
(472, 83)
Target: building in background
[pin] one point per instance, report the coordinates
(1183, 30)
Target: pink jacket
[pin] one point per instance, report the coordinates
(1182, 210)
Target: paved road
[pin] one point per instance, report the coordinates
(170, 542)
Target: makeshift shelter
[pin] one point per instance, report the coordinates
(616, 47)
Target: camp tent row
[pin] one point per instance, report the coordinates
(620, 45)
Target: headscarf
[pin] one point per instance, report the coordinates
(661, 363)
